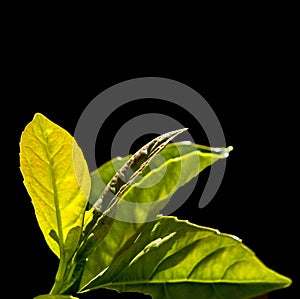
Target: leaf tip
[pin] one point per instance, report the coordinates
(175, 133)
(38, 116)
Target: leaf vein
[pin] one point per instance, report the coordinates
(220, 249)
(173, 254)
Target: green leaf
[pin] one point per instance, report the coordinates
(134, 167)
(105, 205)
(175, 167)
(172, 258)
(57, 179)
(175, 157)
(101, 177)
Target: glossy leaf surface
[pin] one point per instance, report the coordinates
(174, 259)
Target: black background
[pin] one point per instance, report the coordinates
(247, 78)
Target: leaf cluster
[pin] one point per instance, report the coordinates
(106, 228)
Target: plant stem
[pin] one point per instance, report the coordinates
(59, 278)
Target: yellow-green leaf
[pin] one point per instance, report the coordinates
(57, 179)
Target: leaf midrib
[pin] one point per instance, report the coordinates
(55, 191)
(188, 281)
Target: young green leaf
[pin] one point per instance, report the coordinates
(105, 206)
(134, 167)
(176, 165)
(57, 179)
(145, 199)
(101, 177)
(172, 258)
